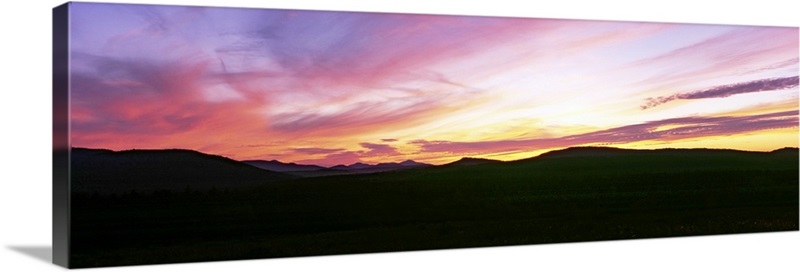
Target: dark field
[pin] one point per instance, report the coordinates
(573, 195)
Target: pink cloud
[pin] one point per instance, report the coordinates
(370, 152)
(164, 109)
(343, 158)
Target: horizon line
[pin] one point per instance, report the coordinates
(461, 158)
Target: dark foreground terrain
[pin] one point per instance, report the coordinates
(578, 194)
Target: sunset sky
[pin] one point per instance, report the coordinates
(333, 88)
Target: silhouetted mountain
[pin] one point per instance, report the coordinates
(412, 163)
(105, 171)
(406, 163)
(471, 161)
(363, 168)
(358, 166)
(277, 166)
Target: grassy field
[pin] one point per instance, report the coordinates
(551, 199)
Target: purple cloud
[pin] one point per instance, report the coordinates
(378, 150)
(771, 84)
(388, 140)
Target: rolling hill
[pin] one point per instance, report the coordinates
(466, 161)
(605, 152)
(106, 171)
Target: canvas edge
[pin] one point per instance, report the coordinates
(61, 199)
(61, 147)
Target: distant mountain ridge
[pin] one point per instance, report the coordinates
(107, 171)
(278, 166)
(310, 170)
(362, 168)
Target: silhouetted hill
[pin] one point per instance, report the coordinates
(471, 161)
(105, 171)
(587, 151)
(277, 166)
(407, 164)
(786, 151)
(593, 151)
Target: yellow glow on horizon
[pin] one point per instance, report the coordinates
(758, 141)
(520, 155)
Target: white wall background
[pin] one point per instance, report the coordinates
(25, 175)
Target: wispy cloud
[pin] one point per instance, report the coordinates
(375, 150)
(771, 84)
(773, 66)
(317, 150)
(361, 116)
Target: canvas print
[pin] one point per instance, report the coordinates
(186, 134)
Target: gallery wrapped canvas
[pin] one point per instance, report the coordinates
(188, 134)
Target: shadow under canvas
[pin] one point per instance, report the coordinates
(42, 253)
